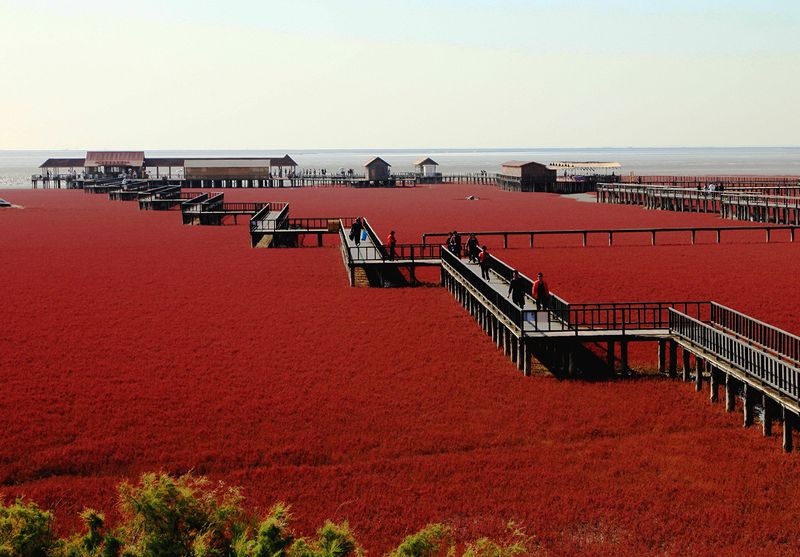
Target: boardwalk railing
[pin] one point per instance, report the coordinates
(610, 233)
(188, 205)
(330, 224)
(264, 221)
(780, 343)
(752, 362)
(401, 252)
(625, 316)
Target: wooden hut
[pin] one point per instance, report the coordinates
(427, 171)
(377, 169)
(525, 176)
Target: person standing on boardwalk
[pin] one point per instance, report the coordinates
(483, 260)
(540, 292)
(457, 243)
(516, 289)
(391, 243)
(472, 248)
(355, 231)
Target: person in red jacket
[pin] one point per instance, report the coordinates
(391, 242)
(483, 259)
(540, 291)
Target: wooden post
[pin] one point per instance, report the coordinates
(571, 358)
(610, 357)
(766, 422)
(698, 377)
(527, 362)
(788, 425)
(514, 343)
(730, 395)
(673, 358)
(749, 403)
(713, 384)
(687, 364)
(623, 354)
(653, 237)
(505, 241)
(662, 355)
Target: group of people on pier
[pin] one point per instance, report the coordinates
(517, 286)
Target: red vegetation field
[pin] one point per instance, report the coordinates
(132, 343)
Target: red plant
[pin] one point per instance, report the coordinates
(132, 343)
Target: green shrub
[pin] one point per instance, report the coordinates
(25, 530)
(273, 537)
(179, 517)
(333, 540)
(431, 541)
(164, 516)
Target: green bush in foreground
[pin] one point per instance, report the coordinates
(188, 516)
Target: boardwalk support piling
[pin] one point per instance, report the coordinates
(673, 358)
(730, 394)
(713, 383)
(749, 404)
(788, 423)
(766, 421)
(687, 365)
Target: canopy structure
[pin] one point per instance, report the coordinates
(114, 158)
(63, 163)
(585, 167)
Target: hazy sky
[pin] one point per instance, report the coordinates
(336, 74)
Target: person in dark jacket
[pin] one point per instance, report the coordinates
(355, 231)
(457, 243)
(516, 289)
(540, 292)
(472, 248)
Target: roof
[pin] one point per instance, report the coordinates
(520, 164)
(162, 161)
(427, 161)
(114, 158)
(286, 160)
(237, 162)
(584, 164)
(62, 163)
(375, 160)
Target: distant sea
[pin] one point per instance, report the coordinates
(16, 167)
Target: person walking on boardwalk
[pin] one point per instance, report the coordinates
(516, 289)
(355, 231)
(483, 260)
(472, 248)
(540, 292)
(391, 243)
(457, 243)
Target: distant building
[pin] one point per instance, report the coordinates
(377, 170)
(526, 176)
(427, 171)
(112, 163)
